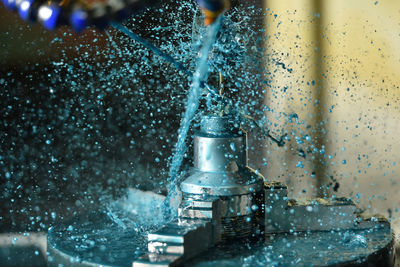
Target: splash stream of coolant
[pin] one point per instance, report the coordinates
(227, 52)
(150, 46)
(192, 104)
(199, 79)
(230, 55)
(178, 65)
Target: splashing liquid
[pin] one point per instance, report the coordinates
(192, 104)
(117, 107)
(199, 79)
(151, 47)
(168, 58)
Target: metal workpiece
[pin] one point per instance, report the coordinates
(232, 206)
(219, 126)
(157, 260)
(367, 221)
(220, 160)
(220, 172)
(218, 150)
(316, 217)
(177, 241)
(207, 208)
(220, 154)
(243, 181)
(232, 217)
(284, 215)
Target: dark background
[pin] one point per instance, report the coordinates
(85, 116)
(72, 139)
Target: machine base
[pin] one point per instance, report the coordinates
(96, 239)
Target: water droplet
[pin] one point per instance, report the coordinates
(232, 145)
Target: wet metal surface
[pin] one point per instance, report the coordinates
(97, 239)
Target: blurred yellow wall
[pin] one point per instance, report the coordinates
(351, 49)
(292, 41)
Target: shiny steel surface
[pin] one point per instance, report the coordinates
(221, 154)
(243, 181)
(218, 126)
(220, 160)
(229, 206)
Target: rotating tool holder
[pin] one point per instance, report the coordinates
(224, 199)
